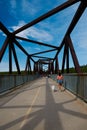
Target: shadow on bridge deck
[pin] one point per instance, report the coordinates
(36, 107)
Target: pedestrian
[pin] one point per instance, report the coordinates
(60, 80)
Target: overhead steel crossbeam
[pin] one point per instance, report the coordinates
(77, 16)
(44, 62)
(43, 52)
(50, 13)
(36, 42)
(45, 59)
(42, 57)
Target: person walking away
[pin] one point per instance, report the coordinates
(59, 80)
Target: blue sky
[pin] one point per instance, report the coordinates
(16, 13)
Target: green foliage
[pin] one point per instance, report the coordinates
(83, 69)
(71, 70)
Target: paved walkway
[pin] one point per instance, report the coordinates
(36, 107)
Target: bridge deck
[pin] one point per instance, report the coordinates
(36, 107)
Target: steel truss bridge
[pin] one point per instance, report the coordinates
(52, 63)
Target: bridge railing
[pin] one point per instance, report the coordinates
(8, 82)
(77, 84)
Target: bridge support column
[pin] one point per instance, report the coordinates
(74, 57)
(56, 66)
(65, 57)
(28, 65)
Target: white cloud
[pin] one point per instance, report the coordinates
(13, 7)
(13, 4)
(34, 32)
(40, 34)
(3, 34)
(29, 8)
(23, 8)
(37, 48)
(20, 24)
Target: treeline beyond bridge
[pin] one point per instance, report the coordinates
(27, 101)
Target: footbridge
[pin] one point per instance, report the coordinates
(36, 106)
(27, 101)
